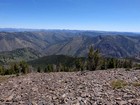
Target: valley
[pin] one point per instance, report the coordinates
(73, 43)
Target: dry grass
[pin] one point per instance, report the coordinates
(118, 84)
(136, 84)
(3, 78)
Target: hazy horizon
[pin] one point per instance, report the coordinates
(68, 30)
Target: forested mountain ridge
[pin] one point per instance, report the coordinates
(23, 54)
(74, 43)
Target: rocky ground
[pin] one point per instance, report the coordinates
(111, 87)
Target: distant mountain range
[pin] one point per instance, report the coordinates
(71, 42)
(88, 32)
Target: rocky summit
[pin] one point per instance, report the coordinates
(108, 87)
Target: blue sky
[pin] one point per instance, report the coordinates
(108, 15)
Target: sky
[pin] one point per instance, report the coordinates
(105, 15)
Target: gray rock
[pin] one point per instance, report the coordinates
(70, 88)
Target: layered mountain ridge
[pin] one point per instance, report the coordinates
(74, 43)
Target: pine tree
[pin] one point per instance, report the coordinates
(24, 67)
(60, 67)
(110, 63)
(38, 69)
(1, 70)
(103, 63)
(45, 70)
(16, 68)
(79, 64)
(93, 59)
(50, 68)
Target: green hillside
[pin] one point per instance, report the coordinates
(54, 59)
(24, 54)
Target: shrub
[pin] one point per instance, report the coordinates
(3, 78)
(118, 84)
(136, 84)
(127, 69)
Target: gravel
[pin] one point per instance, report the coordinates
(72, 88)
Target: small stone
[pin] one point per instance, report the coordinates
(54, 97)
(34, 103)
(18, 97)
(77, 103)
(84, 95)
(21, 102)
(128, 96)
(79, 98)
(10, 97)
(134, 101)
(118, 99)
(35, 89)
(64, 95)
(123, 102)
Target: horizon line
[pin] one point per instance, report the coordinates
(70, 29)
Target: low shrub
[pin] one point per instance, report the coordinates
(136, 84)
(118, 84)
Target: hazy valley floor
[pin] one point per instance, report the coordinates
(112, 87)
